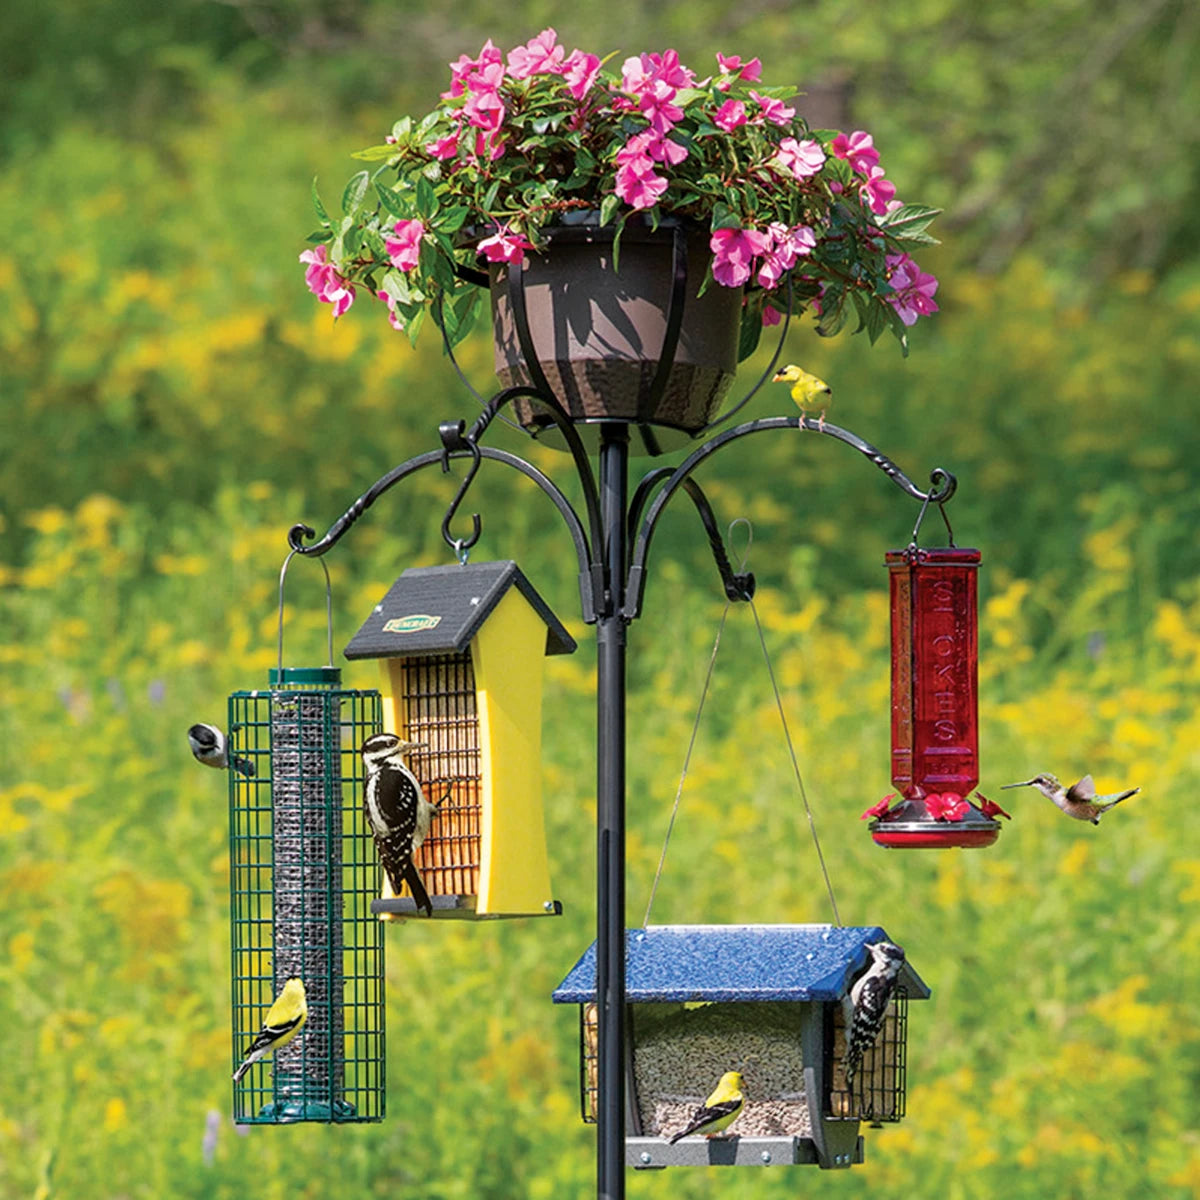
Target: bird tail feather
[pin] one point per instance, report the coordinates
(417, 887)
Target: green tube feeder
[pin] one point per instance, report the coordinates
(302, 878)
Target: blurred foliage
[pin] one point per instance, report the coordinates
(171, 401)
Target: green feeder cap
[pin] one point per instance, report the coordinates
(305, 676)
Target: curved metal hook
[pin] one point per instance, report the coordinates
(452, 438)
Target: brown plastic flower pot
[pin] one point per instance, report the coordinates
(598, 333)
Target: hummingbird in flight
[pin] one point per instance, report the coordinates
(1079, 800)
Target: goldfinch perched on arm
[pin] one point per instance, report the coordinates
(719, 1111)
(285, 1019)
(807, 390)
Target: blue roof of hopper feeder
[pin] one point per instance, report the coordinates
(737, 962)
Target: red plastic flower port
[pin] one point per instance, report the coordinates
(990, 808)
(879, 810)
(946, 806)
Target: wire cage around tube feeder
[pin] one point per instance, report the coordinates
(935, 701)
(302, 876)
(460, 649)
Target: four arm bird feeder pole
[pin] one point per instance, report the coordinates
(653, 377)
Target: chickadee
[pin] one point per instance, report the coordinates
(208, 747)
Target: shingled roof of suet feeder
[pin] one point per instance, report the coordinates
(765, 999)
(438, 610)
(460, 649)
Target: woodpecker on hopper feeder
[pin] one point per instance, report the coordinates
(865, 1007)
(397, 812)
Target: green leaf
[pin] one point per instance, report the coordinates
(877, 319)
(390, 201)
(319, 235)
(608, 208)
(395, 283)
(375, 153)
(724, 217)
(413, 325)
(352, 239)
(751, 329)
(453, 219)
(918, 215)
(316, 199)
(489, 198)
(427, 201)
(356, 189)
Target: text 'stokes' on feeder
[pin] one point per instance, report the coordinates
(461, 651)
(935, 703)
(766, 1001)
(302, 876)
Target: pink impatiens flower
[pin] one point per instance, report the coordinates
(774, 111)
(579, 73)
(324, 281)
(912, 289)
(734, 251)
(858, 149)
(405, 248)
(771, 316)
(946, 806)
(733, 66)
(393, 316)
(877, 193)
(800, 159)
(540, 56)
(504, 246)
(443, 147)
(637, 184)
(465, 72)
(730, 115)
(784, 247)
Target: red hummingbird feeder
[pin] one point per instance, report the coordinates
(935, 702)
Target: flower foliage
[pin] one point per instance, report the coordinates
(523, 141)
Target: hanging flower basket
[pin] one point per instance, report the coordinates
(526, 143)
(618, 329)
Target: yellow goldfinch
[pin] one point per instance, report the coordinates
(719, 1111)
(284, 1020)
(807, 390)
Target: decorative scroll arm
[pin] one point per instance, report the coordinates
(299, 533)
(942, 486)
(736, 586)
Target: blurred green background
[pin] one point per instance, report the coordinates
(172, 400)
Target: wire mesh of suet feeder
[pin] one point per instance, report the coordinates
(935, 701)
(460, 648)
(302, 877)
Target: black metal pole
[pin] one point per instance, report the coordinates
(610, 819)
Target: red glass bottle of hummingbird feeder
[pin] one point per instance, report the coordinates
(935, 708)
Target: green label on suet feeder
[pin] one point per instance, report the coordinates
(416, 623)
(305, 676)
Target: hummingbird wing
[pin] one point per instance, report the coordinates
(1083, 791)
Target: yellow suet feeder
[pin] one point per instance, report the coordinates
(460, 648)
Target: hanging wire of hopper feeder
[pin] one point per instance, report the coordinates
(743, 521)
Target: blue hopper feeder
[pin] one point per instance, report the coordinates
(761, 999)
